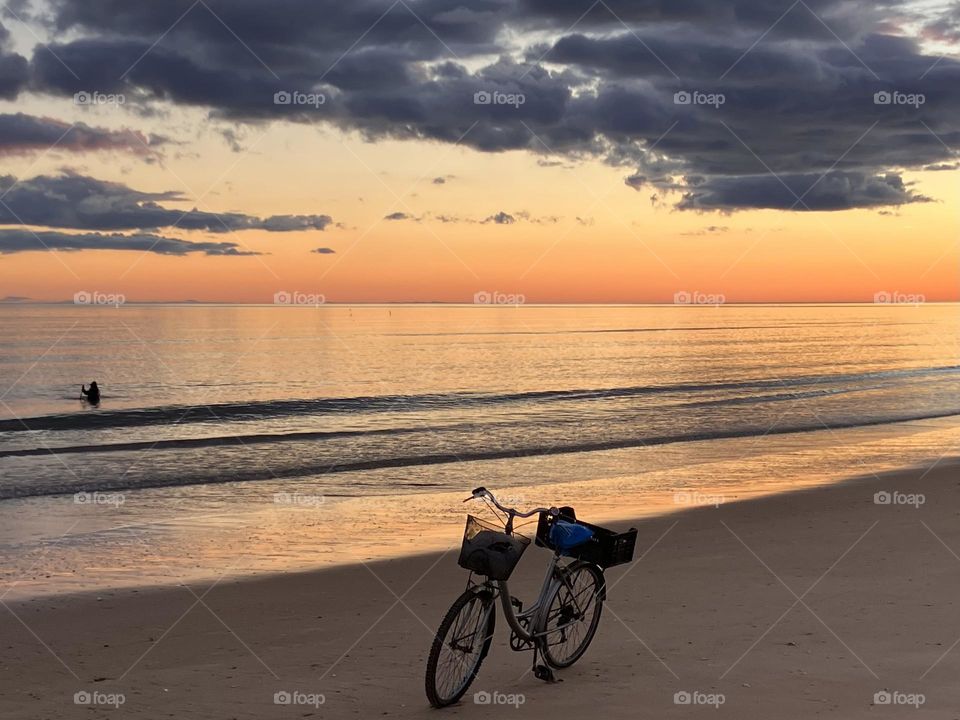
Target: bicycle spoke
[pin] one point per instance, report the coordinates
(461, 650)
(571, 618)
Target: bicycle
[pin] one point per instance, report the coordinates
(561, 623)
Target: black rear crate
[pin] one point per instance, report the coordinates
(606, 548)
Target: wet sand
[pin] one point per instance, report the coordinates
(797, 605)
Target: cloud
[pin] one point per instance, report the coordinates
(708, 230)
(289, 223)
(81, 202)
(834, 191)
(14, 68)
(20, 134)
(945, 28)
(397, 216)
(536, 220)
(798, 104)
(324, 251)
(22, 240)
(501, 218)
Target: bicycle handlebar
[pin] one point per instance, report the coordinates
(482, 492)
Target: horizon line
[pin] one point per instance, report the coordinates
(230, 303)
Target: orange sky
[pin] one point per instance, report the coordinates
(623, 249)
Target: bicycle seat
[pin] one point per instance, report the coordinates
(566, 535)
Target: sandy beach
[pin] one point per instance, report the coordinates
(803, 604)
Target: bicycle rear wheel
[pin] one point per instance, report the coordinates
(573, 613)
(461, 644)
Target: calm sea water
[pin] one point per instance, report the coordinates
(208, 410)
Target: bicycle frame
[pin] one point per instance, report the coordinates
(531, 613)
(552, 577)
(516, 620)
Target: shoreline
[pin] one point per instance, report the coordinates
(698, 612)
(165, 537)
(675, 512)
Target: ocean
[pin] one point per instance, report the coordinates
(279, 438)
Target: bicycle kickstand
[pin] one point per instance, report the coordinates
(542, 672)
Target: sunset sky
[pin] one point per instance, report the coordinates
(585, 178)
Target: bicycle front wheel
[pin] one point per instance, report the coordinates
(573, 613)
(461, 644)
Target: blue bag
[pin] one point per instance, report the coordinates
(565, 535)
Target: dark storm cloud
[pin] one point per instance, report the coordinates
(85, 203)
(22, 240)
(13, 68)
(797, 80)
(20, 133)
(748, 16)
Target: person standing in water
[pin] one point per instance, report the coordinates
(92, 395)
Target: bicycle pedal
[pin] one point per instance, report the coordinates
(542, 672)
